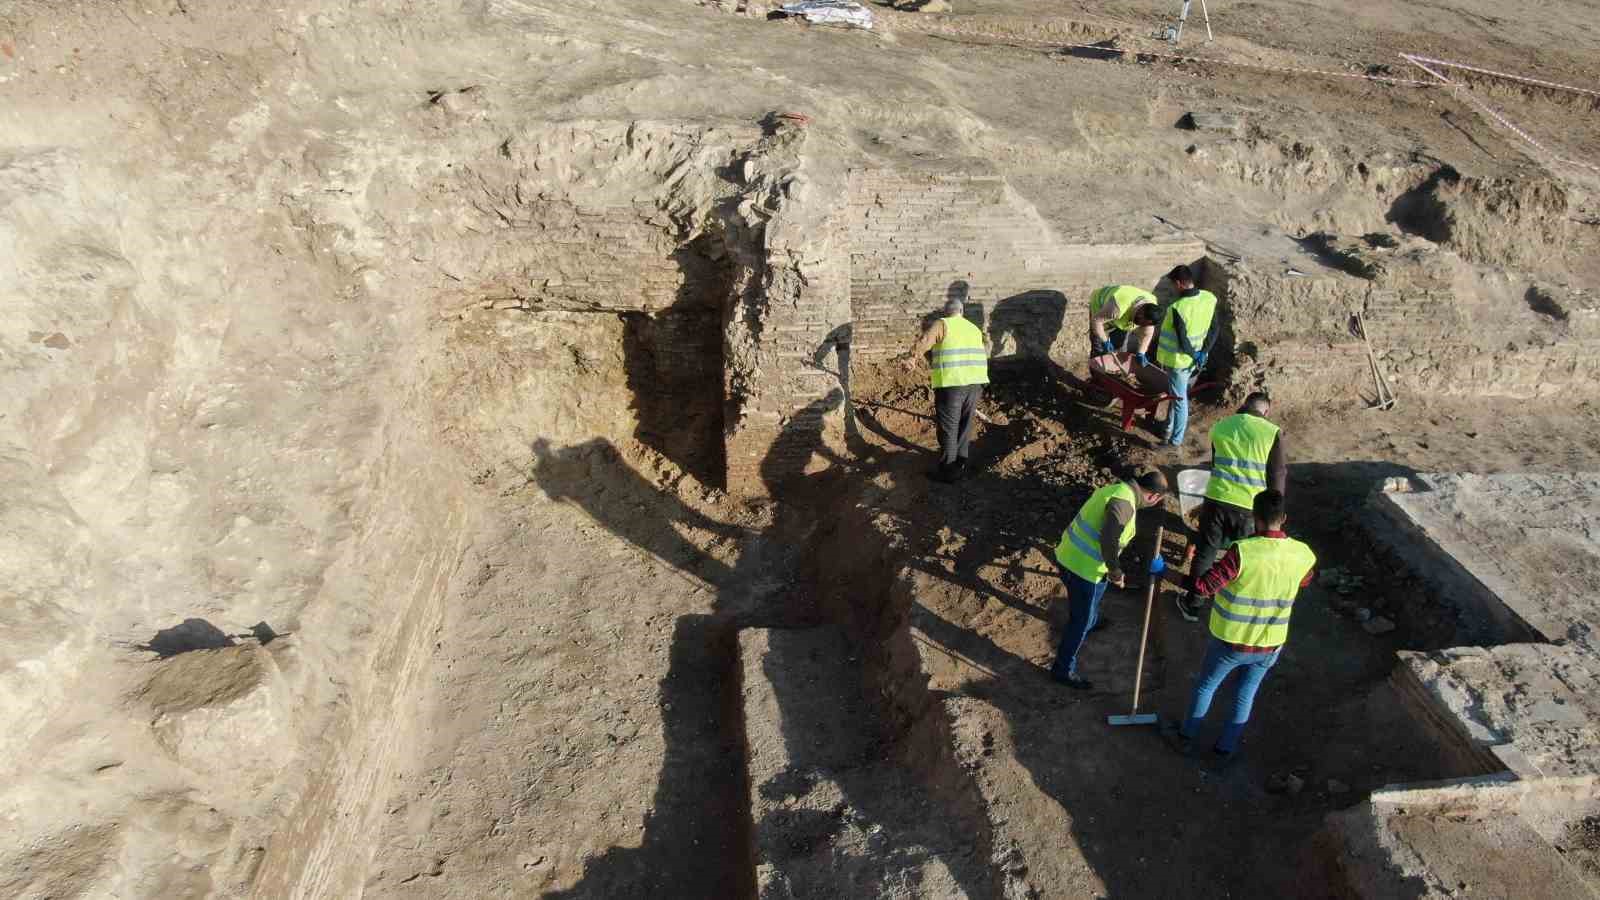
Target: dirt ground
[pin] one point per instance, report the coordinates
(575, 775)
(317, 586)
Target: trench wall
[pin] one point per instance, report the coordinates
(912, 235)
(795, 323)
(869, 273)
(1473, 338)
(605, 313)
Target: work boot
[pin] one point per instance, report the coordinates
(1189, 607)
(945, 474)
(1073, 681)
(1222, 760)
(1174, 737)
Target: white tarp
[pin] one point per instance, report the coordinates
(831, 12)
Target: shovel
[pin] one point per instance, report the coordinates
(1135, 717)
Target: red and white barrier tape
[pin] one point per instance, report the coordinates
(1444, 63)
(1410, 82)
(1101, 48)
(1486, 109)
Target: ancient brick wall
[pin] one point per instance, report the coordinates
(560, 255)
(792, 422)
(912, 235)
(563, 257)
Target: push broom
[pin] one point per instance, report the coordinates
(1135, 717)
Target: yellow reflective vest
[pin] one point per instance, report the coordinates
(959, 359)
(1126, 298)
(1240, 447)
(1197, 310)
(1079, 549)
(1253, 609)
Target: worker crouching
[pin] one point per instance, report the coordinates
(1122, 317)
(1254, 586)
(1088, 559)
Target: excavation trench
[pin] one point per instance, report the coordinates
(492, 541)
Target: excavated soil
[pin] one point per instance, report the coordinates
(565, 765)
(381, 507)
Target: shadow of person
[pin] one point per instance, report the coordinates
(692, 822)
(695, 841)
(695, 837)
(1024, 327)
(1150, 823)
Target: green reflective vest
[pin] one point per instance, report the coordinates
(1127, 299)
(959, 359)
(1253, 609)
(1240, 446)
(1197, 310)
(1079, 549)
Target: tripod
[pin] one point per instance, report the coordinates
(1176, 34)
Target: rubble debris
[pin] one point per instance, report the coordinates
(1378, 625)
(830, 12)
(1285, 783)
(1221, 123)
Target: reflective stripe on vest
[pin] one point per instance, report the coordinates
(960, 358)
(1197, 309)
(1241, 444)
(1079, 549)
(1126, 298)
(1254, 608)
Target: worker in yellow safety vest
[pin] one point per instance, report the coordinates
(1247, 457)
(1188, 332)
(1122, 317)
(958, 367)
(1087, 558)
(1254, 584)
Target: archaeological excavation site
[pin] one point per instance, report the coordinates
(484, 449)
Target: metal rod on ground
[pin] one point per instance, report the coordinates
(1384, 398)
(1389, 393)
(1134, 717)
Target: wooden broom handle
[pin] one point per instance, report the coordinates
(1144, 633)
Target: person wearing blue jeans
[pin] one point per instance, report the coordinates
(1188, 333)
(1253, 587)
(1088, 559)
(1083, 615)
(1220, 662)
(1178, 409)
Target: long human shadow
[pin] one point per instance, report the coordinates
(692, 835)
(695, 841)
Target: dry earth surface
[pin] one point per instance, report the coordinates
(336, 566)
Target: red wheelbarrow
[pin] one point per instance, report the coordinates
(1109, 377)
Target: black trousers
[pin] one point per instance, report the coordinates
(955, 409)
(1220, 525)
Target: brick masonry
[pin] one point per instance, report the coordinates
(891, 253)
(912, 235)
